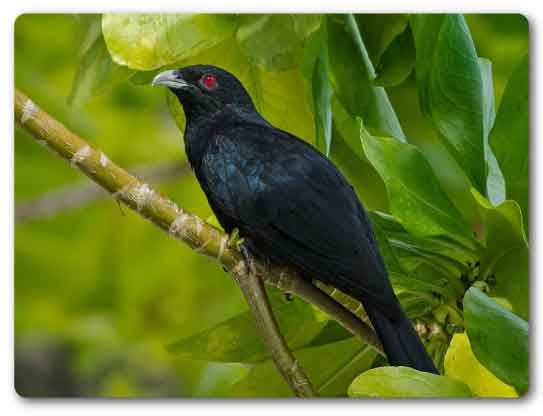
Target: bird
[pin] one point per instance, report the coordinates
(289, 203)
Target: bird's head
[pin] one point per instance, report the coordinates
(205, 89)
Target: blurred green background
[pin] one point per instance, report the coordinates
(98, 291)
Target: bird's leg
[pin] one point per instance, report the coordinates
(234, 240)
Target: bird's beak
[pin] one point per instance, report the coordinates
(170, 79)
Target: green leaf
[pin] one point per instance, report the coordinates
(352, 76)
(506, 252)
(89, 28)
(322, 98)
(397, 61)
(150, 41)
(96, 72)
(498, 338)
(349, 157)
(495, 184)
(379, 31)
(417, 304)
(400, 276)
(488, 100)
(237, 339)
(512, 275)
(277, 94)
(405, 382)
(429, 264)
(331, 368)
(212, 219)
(415, 197)
(218, 378)
(462, 365)
(413, 263)
(385, 248)
(440, 245)
(510, 137)
(275, 41)
(331, 333)
(451, 88)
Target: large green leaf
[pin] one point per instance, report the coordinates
(149, 41)
(283, 98)
(495, 184)
(349, 157)
(498, 338)
(237, 339)
(462, 365)
(331, 368)
(275, 41)
(415, 197)
(397, 61)
(510, 137)
(96, 72)
(512, 276)
(331, 333)
(405, 382)
(352, 75)
(506, 253)
(451, 88)
(322, 96)
(379, 31)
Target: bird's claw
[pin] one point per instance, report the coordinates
(234, 240)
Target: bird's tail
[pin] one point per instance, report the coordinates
(401, 343)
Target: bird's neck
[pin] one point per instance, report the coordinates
(201, 129)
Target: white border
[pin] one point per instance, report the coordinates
(13, 404)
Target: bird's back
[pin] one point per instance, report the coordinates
(288, 199)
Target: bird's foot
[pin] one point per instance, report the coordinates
(234, 240)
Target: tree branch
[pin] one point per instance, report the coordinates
(80, 194)
(190, 229)
(252, 288)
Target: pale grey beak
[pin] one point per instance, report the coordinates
(170, 79)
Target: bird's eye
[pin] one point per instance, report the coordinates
(209, 82)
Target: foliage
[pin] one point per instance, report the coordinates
(404, 105)
(486, 325)
(405, 382)
(512, 126)
(461, 364)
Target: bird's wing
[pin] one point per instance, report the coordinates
(290, 201)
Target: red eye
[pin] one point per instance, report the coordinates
(209, 81)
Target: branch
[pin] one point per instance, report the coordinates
(184, 226)
(80, 194)
(253, 290)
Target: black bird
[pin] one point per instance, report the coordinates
(288, 201)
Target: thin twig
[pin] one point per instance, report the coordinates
(252, 288)
(78, 195)
(183, 225)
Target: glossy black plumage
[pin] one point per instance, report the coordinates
(289, 202)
